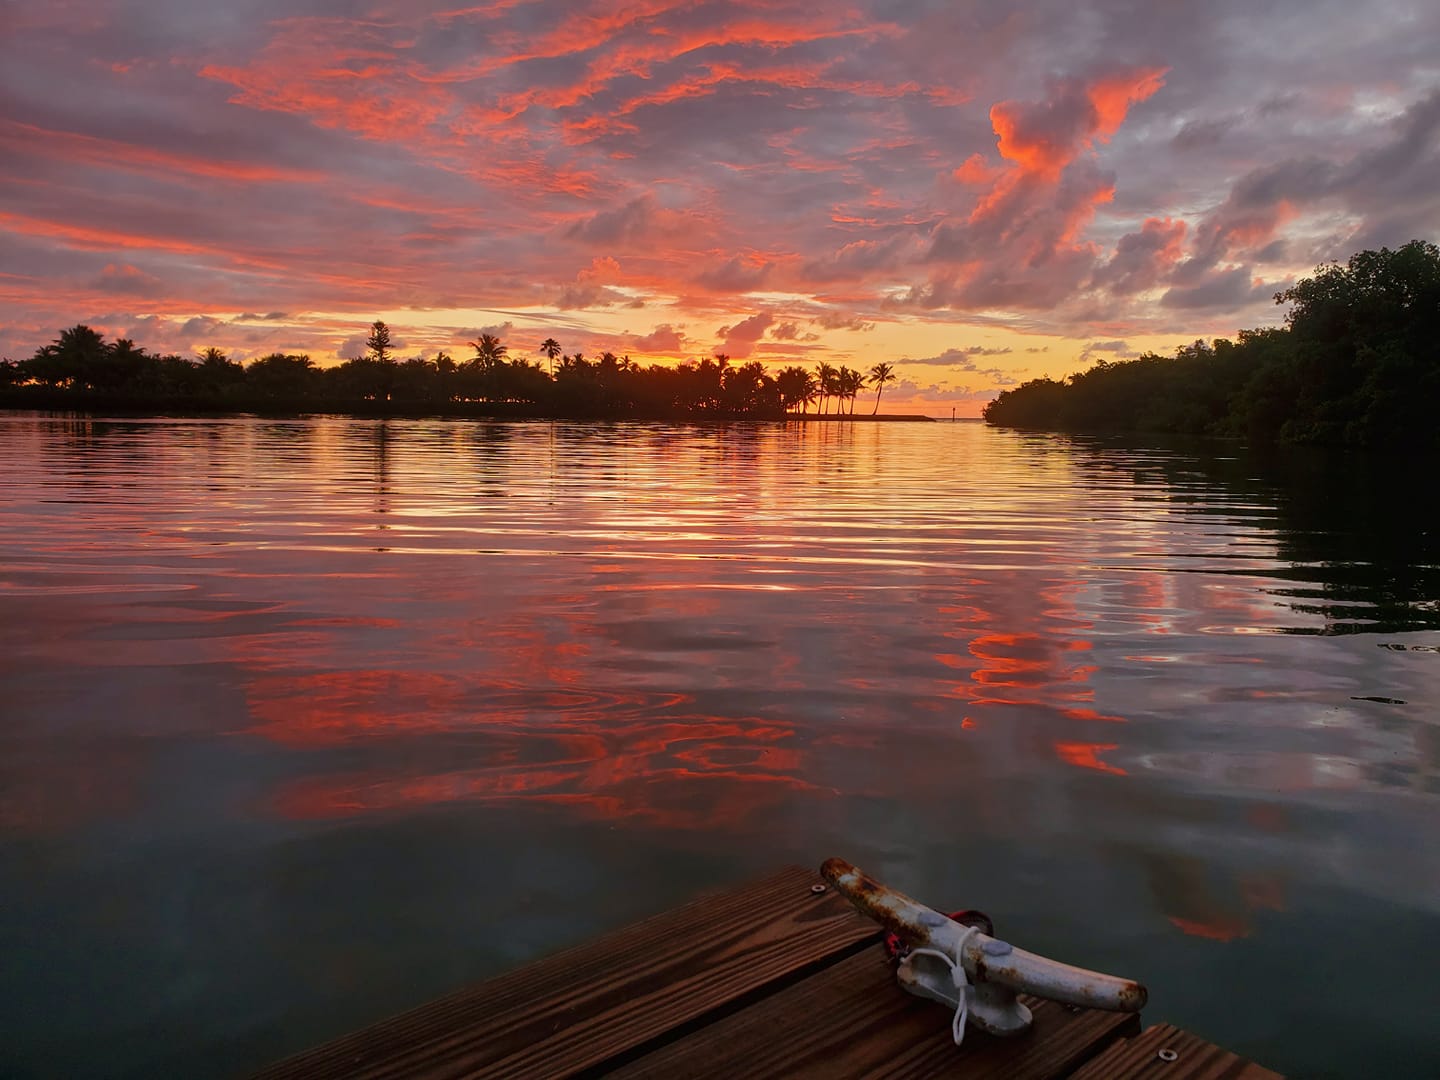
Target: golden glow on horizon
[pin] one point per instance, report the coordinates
(1019, 356)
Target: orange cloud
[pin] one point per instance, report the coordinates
(975, 170)
(1113, 96)
(96, 239)
(108, 153)
(1042, 139)
(603, 270)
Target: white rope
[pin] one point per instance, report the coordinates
(957, 976)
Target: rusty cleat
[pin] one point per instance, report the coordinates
(996, 970)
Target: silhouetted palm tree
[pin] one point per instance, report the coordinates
(73, 358)
(489, 352)
(826, 375)
(796, 386)
(281, 375)
(848, 385)
(880, 374)
(551, 348)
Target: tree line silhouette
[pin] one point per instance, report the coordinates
(1357, 364)
(80, 369)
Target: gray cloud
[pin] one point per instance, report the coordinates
(836, 320)
(127, 280)
(1224, 289)
(587, 294)
(735, 275)
(958, 359)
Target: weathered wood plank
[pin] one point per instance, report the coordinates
(1195, 1059)
(606, 1000)
(852, 1020)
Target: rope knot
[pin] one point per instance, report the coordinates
(960, 980)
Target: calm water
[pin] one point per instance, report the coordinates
(307, 721)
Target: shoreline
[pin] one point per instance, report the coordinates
(158, 407)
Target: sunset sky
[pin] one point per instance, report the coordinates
(978, 192)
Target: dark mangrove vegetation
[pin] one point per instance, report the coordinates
(81, 370)
(1357, 364)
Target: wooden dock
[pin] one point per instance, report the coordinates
(776, 978)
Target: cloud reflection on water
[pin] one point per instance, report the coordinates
(737, 643)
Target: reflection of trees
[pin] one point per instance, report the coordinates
(382, 471)
(1370, 533)
(492, 443)
(289, 445)
(1362, 532)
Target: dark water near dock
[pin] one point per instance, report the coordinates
(304, 722)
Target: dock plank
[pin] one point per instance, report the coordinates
(605, 1002)
(852, 1020)
(1195, 1059)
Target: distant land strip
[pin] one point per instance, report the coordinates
(80, 370)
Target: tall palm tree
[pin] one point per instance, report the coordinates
(551, 348)
(848, 383)
(837, 389)
(488, 351)
(880, 374)
(125, 362)
(812, 392)
(825, 373)
(74, 357)
(217, 370)
(796, 386)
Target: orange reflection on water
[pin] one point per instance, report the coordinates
(1087, 756)
(686, 772)
(335, 706)
(1185, 887)
(665, 798)
(1030, 669)
(1258, 892)
(1220, 930)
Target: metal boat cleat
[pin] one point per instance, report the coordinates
(995, 969)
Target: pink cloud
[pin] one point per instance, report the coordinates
(739, 340)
